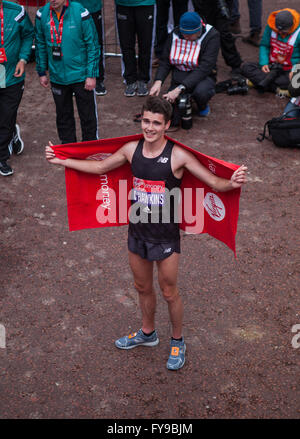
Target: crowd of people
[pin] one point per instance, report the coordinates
(70, 57)
(70, 61)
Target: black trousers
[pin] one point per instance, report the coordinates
(254, 73)
(162, 18)
(97, 17)
(136, 22)
(10, 98)
(87, 110)
(213, 17)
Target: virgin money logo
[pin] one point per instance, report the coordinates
(214, 206)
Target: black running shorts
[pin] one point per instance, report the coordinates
(152, 251)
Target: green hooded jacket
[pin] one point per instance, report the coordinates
(18, 38)
(80, 47)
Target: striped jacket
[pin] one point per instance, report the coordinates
(18, 37)
(80, 47)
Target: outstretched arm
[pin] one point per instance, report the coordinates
(188, 161)
(117, 159)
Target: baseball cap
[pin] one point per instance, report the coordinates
(284, 20)
(190, 23)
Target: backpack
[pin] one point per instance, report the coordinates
(283, 131)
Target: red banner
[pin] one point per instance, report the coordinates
(103, 200)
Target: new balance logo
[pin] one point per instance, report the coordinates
(168, 250)
(162, 160)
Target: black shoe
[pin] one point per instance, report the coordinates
(100, 89)
(17, 142)
(5, 169)
(142, 89)
(130, 89)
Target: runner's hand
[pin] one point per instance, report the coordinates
(239, 177)
(50, 155)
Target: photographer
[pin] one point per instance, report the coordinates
(279, 52)
(218, 14)
(190, 53)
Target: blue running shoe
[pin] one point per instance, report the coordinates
(137, 339)
(205, 112)
(177, 355)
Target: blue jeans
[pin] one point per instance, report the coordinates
(255, 13)
(289, 107)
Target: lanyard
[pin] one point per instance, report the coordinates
(58, 35)
(2, 24)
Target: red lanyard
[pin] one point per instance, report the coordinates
(58, 35)
(2, 24)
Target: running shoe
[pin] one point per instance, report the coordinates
(17, 142)
(142, 89)
(205, 112)
(100, 89)
(137, 339)
(177, 355)
(5, 169)
(130, 89)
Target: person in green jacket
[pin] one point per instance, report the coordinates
(279, 51)
(95, 9)
(16, 37)
(135, 19)
(67, 45)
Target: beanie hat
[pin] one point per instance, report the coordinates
(284, 20)
(190, 23)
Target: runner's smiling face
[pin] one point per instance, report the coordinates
(154, 126)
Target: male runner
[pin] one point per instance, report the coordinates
(155, 161)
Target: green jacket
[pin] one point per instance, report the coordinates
(91, 5)
(18, 38)
(135, 2)
(80, 48)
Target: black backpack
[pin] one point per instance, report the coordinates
(283, 131)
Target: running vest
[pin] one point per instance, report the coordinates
(184, 54)
(153, 213)
(281, 52)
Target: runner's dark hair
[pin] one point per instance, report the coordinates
(159, 105)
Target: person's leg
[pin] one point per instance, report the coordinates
(144, 22)
(127, 34)
(253, 72)
(228, 48)
(179, 8)
(162, 17)
(10, 99)
(255, 14)
(203, 92)
(65, 121)
(87, 110)
(97, 17)
(167, 278)
(142, 271)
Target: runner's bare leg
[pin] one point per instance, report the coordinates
(142, 270)
(167, 277)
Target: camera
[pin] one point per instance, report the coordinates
(275, 70)
(239, 88)
(223, 8)
(185, 110)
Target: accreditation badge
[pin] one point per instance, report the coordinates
(3, 57)
(56, 53)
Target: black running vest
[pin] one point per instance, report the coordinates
(154, 213)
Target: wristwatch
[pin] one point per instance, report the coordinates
(181, 87)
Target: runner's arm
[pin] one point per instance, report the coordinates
(117, 159)
(218, 184)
